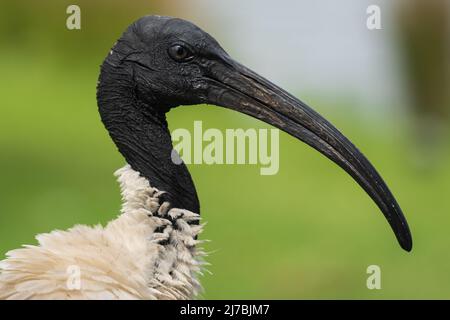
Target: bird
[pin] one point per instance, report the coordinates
(152, 249)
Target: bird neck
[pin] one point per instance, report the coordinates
(140, 131)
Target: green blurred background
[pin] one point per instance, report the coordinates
(307, 232)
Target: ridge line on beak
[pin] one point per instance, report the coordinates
(237, 87)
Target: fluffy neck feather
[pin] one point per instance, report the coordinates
(149, 252)
(174, 269)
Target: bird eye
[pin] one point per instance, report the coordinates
(180, 53)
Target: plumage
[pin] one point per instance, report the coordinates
(148, 252)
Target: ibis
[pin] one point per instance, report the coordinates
(152, 250)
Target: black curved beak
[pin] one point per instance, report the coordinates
(233, 86)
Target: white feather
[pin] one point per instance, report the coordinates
(123, 260)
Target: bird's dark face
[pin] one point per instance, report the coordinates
(172, 59)
(174, 63)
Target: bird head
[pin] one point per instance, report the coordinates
(176, 63)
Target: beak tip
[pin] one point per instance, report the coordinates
(406, 243)
(402, 231)
(407, 247)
